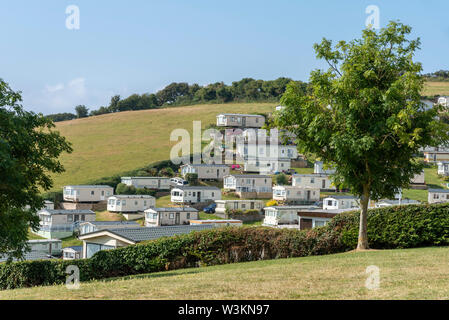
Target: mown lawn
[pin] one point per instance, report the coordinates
(114, 143)
(404, 274)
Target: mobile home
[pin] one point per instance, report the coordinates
(320, 181)
(242, 205)
(206, 171)
(249, 185)
(240, 120)
(59, 224)
(297, 195)
(130, 203)
(156, 183)
(438, 195)
(340, 202)
(195, 194)
(158, 217)
(87, 193)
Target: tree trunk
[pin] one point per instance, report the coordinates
(363, 234)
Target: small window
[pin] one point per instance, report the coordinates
(172, 215)
(92, 193)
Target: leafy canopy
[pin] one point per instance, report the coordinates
(364, 114)
(29, 151)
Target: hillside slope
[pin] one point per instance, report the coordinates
(114, 143)
(404, 274)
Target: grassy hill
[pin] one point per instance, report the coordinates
(433, 88)
(114, 143)
(404, 274)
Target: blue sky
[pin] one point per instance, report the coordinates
(138, 46)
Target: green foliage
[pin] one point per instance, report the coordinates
(400, 227)
(192, 178)
(61, 117)
(392, 227)
(29, 151)
(81, 111)
(125, 189)
(281, 179)
(365, 113)
(177, 94)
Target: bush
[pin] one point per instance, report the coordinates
(271, 203)
(400, 227)
(281, 179)
(192, 178)
(388, 228)
(125, 189)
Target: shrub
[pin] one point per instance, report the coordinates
(388, 228)
(125, 189)
(271, 203)
(281, 179)
(192, 178)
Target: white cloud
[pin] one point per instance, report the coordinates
(63, 97)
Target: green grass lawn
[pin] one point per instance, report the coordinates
(404, 274)
(32, 236)
(114, 143)
(71, 241)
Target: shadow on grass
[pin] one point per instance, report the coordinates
(159, 274)
(434, 186)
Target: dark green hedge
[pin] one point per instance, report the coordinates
(394, 227)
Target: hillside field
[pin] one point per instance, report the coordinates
(114, 143)
(432, 88)
(404, 274)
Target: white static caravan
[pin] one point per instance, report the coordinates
(249, 185)
(130, 203)
(93, 226)
(218, 223)
(206, 171)
(438, 195)
(240, 120)
(444, 101)
(340, 202)
(264, 151)
(158, 217)
(319, 168)
(195, 194)
(59, 224)
(443, 168)
(87, 193)
(243, 205)
(436, 156)
(297, 195)
(396, 202)
(72, 253)
(156, 183)
(321, 181)
(266, 165)
(277, 215)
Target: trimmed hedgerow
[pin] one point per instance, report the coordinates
(388, 228)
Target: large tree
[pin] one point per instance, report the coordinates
(29, 151)
(364, 115)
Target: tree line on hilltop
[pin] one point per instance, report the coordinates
(179, 94)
